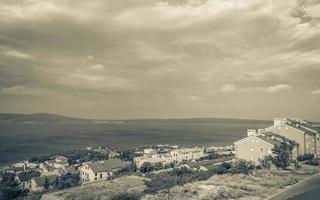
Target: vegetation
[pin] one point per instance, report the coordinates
(305, 157)
(127, 155)
(39, 159)
(211, 156)
(283, 154)
(314, 162)
(180, 176)
(148, 167)
(9, 188)
(81, 156)
(125, 196)
(67, 181)
(242, 166)
(260, 185)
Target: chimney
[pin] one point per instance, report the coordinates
(251, 132)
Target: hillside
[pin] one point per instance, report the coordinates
(34, 118)
(39, 118)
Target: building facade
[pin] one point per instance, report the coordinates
(255, 147)
(24, 179)
(302, 132)
(173, 156)
(38, 184)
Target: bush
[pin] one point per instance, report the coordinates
(39, 159)
(305, 157)
(9, 188)
(314, 162)
(125, 196)
(223, 168)
(241, 166)
(283, 154)
(161, 182)
(67, 181)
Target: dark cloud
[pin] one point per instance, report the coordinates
(132, 59)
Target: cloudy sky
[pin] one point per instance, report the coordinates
(161, 59)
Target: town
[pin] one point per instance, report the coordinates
(297, 139)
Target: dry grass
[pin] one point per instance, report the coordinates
(100, 190)
(262, 184)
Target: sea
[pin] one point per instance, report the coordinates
(19, 142)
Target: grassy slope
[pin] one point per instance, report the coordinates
(100, 190)
(259, 186)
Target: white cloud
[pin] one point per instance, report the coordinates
(316, 92)
(97, 67)
(278, 88)
(17, 54)
(228, 88)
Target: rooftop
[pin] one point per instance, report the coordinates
(27, 176)
(40, 181)
(107, 165)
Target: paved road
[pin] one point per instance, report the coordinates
(308, 190)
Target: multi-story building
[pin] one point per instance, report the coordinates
(257, 145)
(172, 156)
(304, 133)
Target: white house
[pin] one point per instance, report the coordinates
(102, 170)
(24, 179)
(173, 156)
(58, 162)
(38, 184)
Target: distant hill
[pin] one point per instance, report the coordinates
(203, 120)
(39, 118)
(54, 118)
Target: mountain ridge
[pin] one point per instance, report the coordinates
(57, 118)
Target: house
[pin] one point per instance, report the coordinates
(38, 184)
(18, 170)
(305, 133)
(58, 162)
(257, 145)
(24, 179)
(102, 170)
(172, 156)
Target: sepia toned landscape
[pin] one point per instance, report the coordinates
(159, 100)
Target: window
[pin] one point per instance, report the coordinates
(95, 178)
(100, 175)
(96, 174)
(261, 149)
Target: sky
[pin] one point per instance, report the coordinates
(121, 59)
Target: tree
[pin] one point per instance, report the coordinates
(146, 167)
(282, 154)
(9, 188)
(266, 162)
(68, 180)
(46, 183)
(240, 166)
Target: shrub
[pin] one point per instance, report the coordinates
(306, 157)
(9, 188)
(241, 166)
(125, 196)
(283, 154)
(314, 162)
